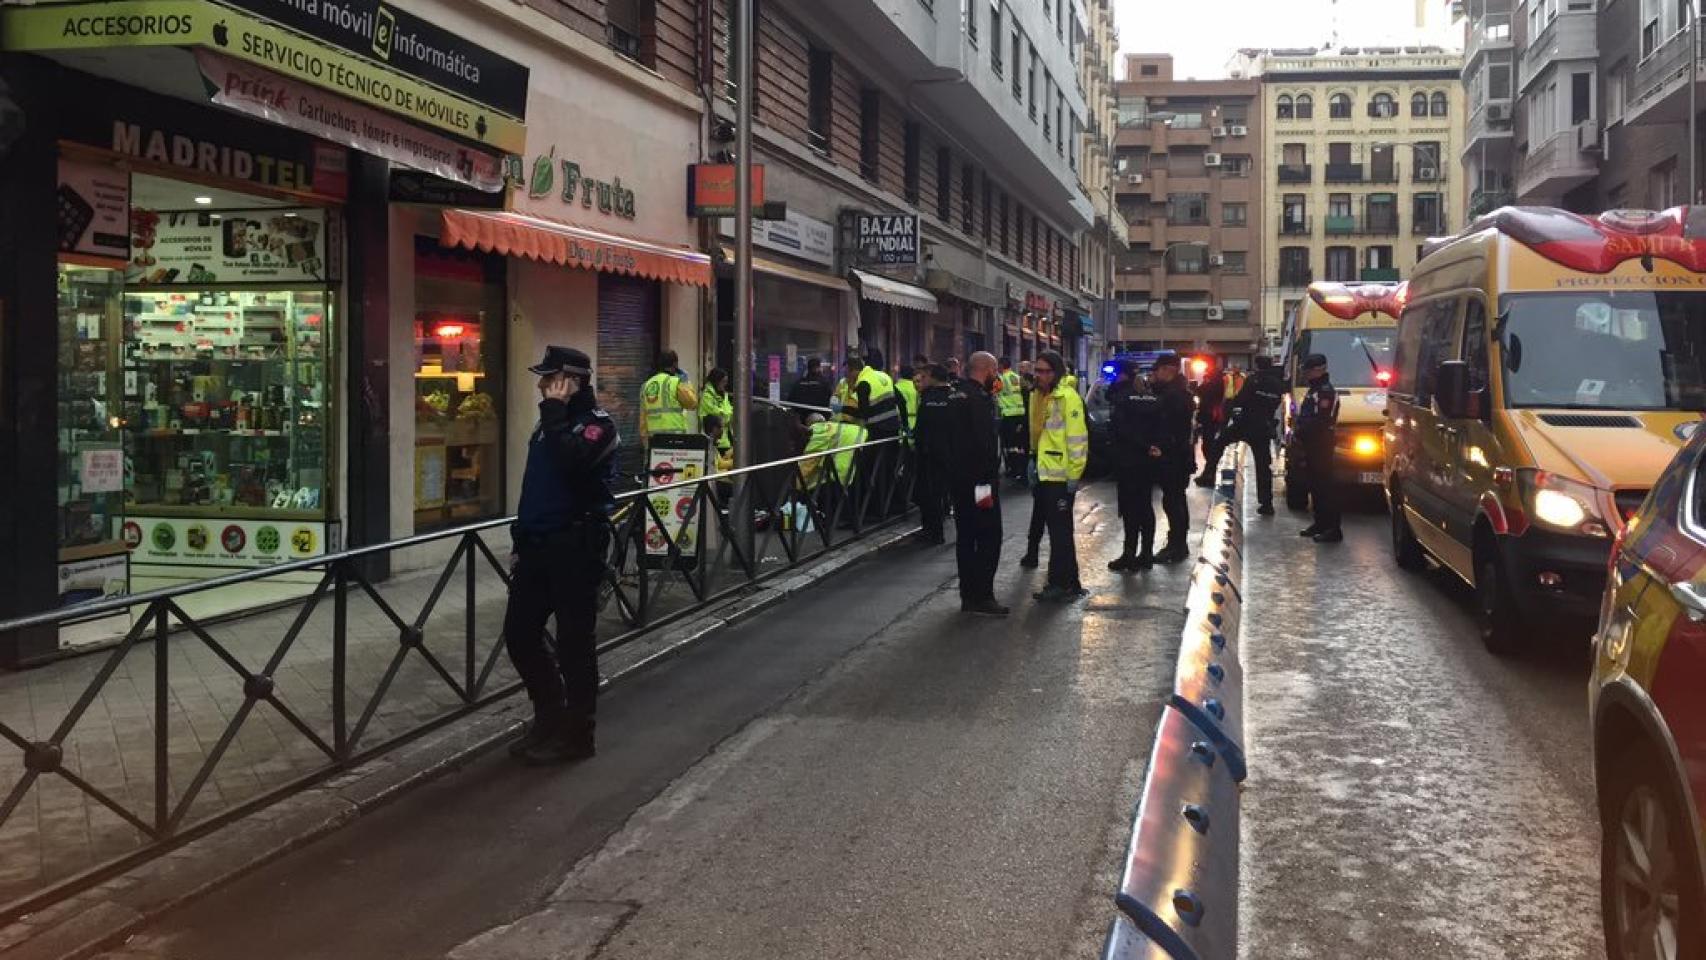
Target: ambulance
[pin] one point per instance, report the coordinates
(1355, 326)
(1549, 367)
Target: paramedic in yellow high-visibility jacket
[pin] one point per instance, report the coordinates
(1061, 438)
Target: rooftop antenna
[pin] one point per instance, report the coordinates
(1333, 19)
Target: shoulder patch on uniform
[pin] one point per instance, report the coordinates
(592, 432)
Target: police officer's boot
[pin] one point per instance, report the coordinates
(547, 721)
(1146, 551)
(571, 740)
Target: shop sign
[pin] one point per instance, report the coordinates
(413, 186)
(675, 458)
(101, 471)
(193, 246)
(711, 190)
(219, 542)
(797, 236)
(406, 43)
(85, 581)
(202, 23)
(281, 100)
(609, 196)
(1036, 303)
(94, 209)
(886, 240)
(960, 288)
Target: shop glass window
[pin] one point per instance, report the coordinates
(459, 381)
(91, 444)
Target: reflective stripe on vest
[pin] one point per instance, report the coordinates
(881, 407)
(660, 404)
(1011, 400)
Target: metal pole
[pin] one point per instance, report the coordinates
(743, 234)
(1693, 94)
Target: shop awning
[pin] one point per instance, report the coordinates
(774, 269)
(536, 238)
(894, 292)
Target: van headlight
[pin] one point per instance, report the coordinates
(1563, 504)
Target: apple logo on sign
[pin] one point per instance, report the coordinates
(220, 35)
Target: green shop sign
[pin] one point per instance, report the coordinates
(608, 196)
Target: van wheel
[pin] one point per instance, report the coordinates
(1406, 549)
(1648, 880)
(1500, 626)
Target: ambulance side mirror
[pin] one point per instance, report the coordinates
(1452, 390)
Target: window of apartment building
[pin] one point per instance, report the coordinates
(912, 151)
(1616, 87)
(1338, 154)
(1072, 156)
(1059, 18)
(1018, 65)
(1234, 166)
(1283, 107)
(1338, 206)
(1048, 9)
(1060, 122)
(1187, 258)
(968, 177)
(1341, 264)
(944, 184)
(1339, 106)
(1133, 111)
(1036, 67)
(1654, 24)
(1499, 80)
(1382, 213)
(1419, 104)
(1234, 261)
(1294, 267)
(1187, 120)
(1237, 311)
(1234, 214)
(630, 29)
(995, 37)
(968, 16)
(1581, 97)
(1006, 227)
(1378, 258)
(1427, 214)
(1048, 101)
(1294, 154)
(870, 133)
(1383, 107)
(1294, 213)
(1428, 166)
(1661, 186)
(1036, 242)
(1188, 209)
(821, 98)
(1234, 115)
(1149, 70)
(1383, 163)
(1305, 107)
(1189, 307)
(1440, 105)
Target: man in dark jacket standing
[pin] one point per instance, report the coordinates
(1250, 419)
(561, 535)
(934, 436)
(975, 486)
(1178, 459)
(1211, 410)
(1136, 426)
(810, 390)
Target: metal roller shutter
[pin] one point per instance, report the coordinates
(627, 354)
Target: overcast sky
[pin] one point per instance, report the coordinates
(1203, 34)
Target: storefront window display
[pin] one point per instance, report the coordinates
(795, 321)
(91, 443)
(459, 366)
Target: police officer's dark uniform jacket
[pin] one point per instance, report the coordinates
(561, 535)
(1315, 429)
(1250, 419)
(1178, 461)
(934, 435)
(1135, 422)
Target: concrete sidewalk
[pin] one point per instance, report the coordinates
(863, 772)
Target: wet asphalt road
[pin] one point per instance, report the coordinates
(862, 772)
(1411, 795)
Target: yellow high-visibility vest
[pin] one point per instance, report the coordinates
(1011, 400)
(826, 436)
(881, 408)
(908, 392)
(1061, 437)
(661, 409)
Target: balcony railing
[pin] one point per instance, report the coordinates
(1296, 173)
(1486, 201)
(1390, 174)
(1380, 274)
(1493, 30)
(1300, 277)
(1662, 74)
(1344, 173)
(1380, 225)
(1297, 226)
(1341, 226)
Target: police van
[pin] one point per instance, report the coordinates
(1355, 326)
(1549, 366)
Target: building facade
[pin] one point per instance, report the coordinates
(1489, 84)
(1108, 237)
(1358, 165)
(1186, 160)
(1645, 68)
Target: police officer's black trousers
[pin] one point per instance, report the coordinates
(1015, 437)
(1053, 502)
(1323, 487)
(1173, 480)
(1261, 449)
(559, 575)
(930, 491)
(1137, 508)
(977, 544)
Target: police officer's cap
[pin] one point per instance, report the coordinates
(1314, 360)
(1167, 360)
(563, 360)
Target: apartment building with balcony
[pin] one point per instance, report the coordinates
(1648, 53)
(1357, 165)
(1186, 161)
(969, 117)
(1108, 235)
(1489, 84)
(1557, 111)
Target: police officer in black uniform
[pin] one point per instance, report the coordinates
(1250, 419)
(1178, 458)
(561, 535)
(934, 435)
(1136, 425)
(1315, 427)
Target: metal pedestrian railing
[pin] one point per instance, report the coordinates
(190, 722)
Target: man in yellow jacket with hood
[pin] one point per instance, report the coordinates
(1060, 437)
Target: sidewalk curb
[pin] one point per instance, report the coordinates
(108, 913)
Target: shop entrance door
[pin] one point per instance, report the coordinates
(628, 333)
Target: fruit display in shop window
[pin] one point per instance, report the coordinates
(477, 406)
(437, 403)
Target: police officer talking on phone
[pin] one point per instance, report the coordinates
(561, 534)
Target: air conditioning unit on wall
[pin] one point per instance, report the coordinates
(1217, 313)
(1211, 160)
(1216, 260)
(1239, 131)
(1499, 112)
(1135, 179)
(1219, 132)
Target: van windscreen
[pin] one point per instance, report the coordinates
(1603, 350)
(1356, 356)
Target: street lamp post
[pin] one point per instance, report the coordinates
(1693, 95)
(743, 233)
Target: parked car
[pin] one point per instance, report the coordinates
(1649, 721)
